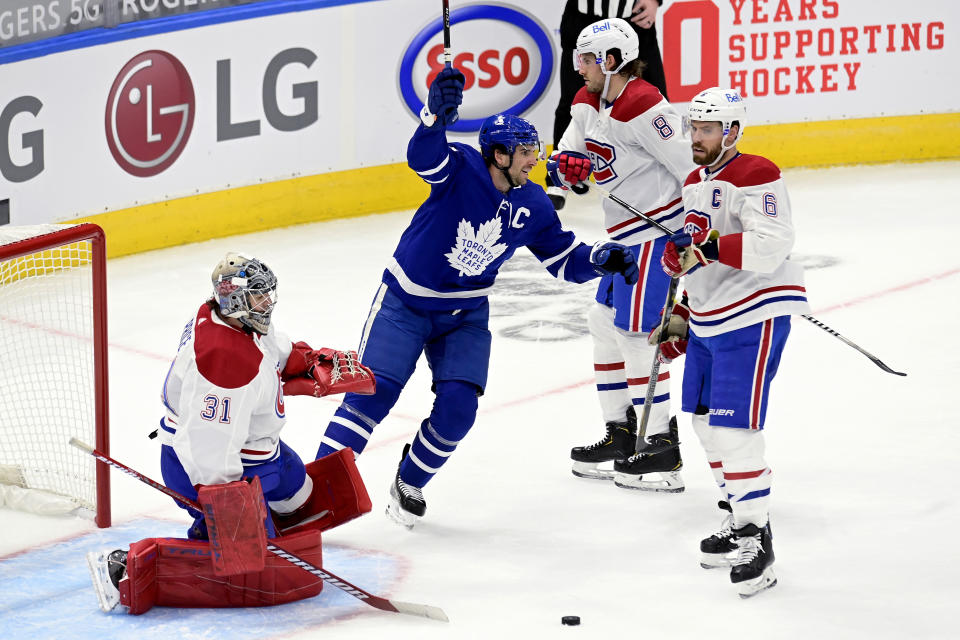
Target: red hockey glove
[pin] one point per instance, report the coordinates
(687, 252)
(674, 343)
(331, 372)
(568, 168)
(300, 358)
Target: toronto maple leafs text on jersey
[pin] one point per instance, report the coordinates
(449, 255)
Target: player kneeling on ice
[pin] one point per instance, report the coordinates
(221, 447)
(741, 289)
(482, 207)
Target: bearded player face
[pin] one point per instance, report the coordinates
(706, 141)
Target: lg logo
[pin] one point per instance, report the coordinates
(31, 142)
(149, 113)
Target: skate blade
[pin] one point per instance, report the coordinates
(400, 516)
(591, 471)
(666, 483)
(750, 588)
(108, 597)
(716, 560)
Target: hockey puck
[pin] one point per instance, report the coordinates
(570, 621)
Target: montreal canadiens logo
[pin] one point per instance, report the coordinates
(602, 156)
(510, 76)
(696, 221)
(149, 113)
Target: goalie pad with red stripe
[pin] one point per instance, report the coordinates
(235, 514)
(171, 572)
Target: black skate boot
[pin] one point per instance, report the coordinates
(107, 568)
(653, 471)
(753, 569)
(618, 444)
(717, 550)
(406, 502)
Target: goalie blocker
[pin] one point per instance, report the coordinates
(234, 568)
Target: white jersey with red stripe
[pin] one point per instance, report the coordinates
(639, 153)
(223, 398)
(746, 201)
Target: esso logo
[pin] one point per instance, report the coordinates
(506, 57)
(149, 113)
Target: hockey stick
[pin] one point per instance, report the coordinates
(396, 606)
(874, 359)
(447, 52)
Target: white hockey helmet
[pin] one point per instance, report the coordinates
(719, 105)
(246, 289)
(603, 36)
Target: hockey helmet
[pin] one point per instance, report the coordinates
(718, 105)
(246, 289)
(601, 37)
(507, 131)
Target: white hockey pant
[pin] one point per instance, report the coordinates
(622, 362)
(736, 458)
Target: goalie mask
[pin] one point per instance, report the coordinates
(718, 105)
(245, 289)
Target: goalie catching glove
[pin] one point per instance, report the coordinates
(568, 169)
(674, 341)
(323, 372)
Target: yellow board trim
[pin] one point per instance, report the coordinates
(394, 187)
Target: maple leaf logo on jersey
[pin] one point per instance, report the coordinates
(602, 156)
(475, 250)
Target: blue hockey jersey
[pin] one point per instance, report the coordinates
(449, 255)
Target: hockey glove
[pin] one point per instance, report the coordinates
(446, 94)
(613, 257)
(674, 342)
(331, 372)
(568, 168)
(686, 252)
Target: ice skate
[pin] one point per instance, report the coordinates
(752, 571)
(617, 444)
(653, 471)
(107, 568)
(406, 502)
(719, 550)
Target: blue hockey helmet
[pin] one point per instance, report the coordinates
(507, 131)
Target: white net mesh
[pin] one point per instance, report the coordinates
(47, 379)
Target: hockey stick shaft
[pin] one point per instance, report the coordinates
(655, 369)
(396, 606)
(447, 52)
(877, 361)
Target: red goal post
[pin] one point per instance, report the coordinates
(53, 354)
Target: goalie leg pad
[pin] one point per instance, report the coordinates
(235, 515)
(338, 496)
(170, 572)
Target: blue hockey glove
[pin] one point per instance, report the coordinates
(446, 94)
(613, 257)
(568, 168)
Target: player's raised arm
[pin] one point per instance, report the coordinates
(428, 152)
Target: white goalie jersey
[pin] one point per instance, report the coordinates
(639, 153)
(224, 399)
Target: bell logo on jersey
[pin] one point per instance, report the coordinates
(504, 53)
(602, 156)
(696, 221)
(476, 249)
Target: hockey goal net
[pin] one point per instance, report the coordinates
(53, 357)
